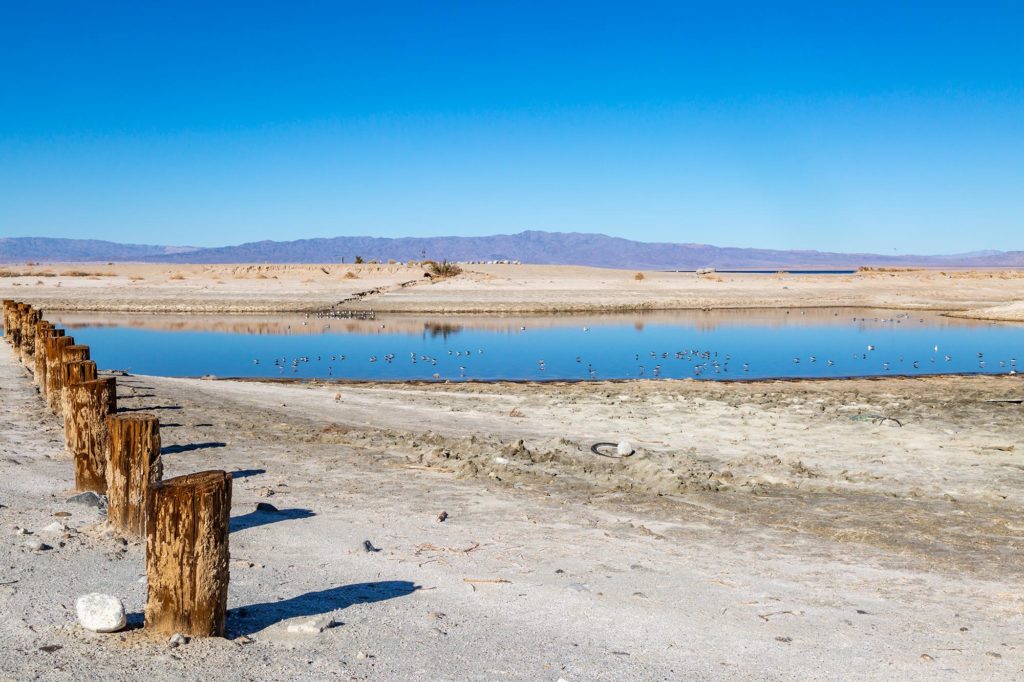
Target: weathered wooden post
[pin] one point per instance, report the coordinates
(28, 335)
(76, 352)
(91, 403)
(8, 307)
(42, 335)
(18, 314)
(133, 467)
(74, 373)
(187, 527)
(54, 357)
(7, 319)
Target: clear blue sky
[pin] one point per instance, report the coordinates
(876, 126)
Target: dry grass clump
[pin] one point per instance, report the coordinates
(351, 275)
(443, 269)
(85, 273)
(177, 275)
(136, 278)
(26, 273)
(639, 277)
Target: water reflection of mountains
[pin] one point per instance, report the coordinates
(444, 327)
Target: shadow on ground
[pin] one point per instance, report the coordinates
(246, 473)
(246, 620)
(175, 449)
(262, 518)
(149, 409)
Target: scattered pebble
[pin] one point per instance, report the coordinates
(88, 499)
(368, 546)
(176, 640)
(100, 612)
(624, 449)
(37, 545)
(442, 517)
(265, 492)
(311, 626)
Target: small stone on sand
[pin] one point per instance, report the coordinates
(100, 612)
(311, 626)
(89, 499)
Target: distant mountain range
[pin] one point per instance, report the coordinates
(564, 248)
(47, 249)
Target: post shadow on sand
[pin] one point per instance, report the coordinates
(246, 473)
(262, 518)
(246, 620)
(175, 449)
(149, 409)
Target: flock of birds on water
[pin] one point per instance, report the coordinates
(651, 364)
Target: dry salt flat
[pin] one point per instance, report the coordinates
(546, 565)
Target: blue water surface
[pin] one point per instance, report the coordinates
(724, 345)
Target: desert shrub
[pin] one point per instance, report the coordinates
(443, 269)
(359, 260)
(84, 273)
(351, 275)
(177, 275)
(639, 276)
(28, 273)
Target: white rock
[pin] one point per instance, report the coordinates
(55, 527)
(624, 449)
(36, 545)
(100, 612)
(311, 626)
(177, 639)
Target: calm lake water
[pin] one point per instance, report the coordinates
(702, 345)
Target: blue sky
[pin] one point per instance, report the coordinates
(859, 126)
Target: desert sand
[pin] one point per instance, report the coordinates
(493, 289)
(853, 529)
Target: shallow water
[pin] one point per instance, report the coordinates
(740, 344)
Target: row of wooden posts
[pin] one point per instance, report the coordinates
(185, 520)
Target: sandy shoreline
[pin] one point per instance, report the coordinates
(770, 530)
(495, 289)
